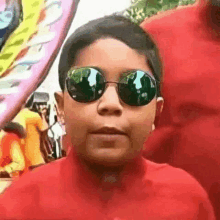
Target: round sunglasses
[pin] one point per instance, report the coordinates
(88, 84)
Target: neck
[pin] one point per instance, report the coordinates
(100, 171)
(106, 179)
(104, 174)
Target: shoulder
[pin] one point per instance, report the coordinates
(29, 187)
(32, 118)
(179, 13)
(171, 20)
(175, 178)
(36, 191)
(180, 187)
(9, 138)
(30, 113)
(28, 195)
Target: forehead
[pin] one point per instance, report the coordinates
(112, 56)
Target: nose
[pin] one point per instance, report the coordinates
(109, 103)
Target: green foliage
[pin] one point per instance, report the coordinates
(141, 9)
(79, 74)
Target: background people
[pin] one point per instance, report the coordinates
(33, 124)
(189, 133)
(11, 156)
(57, 134)
(61, 133)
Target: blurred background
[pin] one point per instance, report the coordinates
(136, 10)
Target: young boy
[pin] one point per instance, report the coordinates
(110, 74)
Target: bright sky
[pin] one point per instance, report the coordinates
(87, 10)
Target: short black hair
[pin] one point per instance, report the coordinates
(16, 128)
(113, 26)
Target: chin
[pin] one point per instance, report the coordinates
(110, 158)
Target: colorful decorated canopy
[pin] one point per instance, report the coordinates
(31, 34)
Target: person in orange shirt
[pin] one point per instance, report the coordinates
(11, 157)
(33, 124)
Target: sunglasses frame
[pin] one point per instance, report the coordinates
(101, 72)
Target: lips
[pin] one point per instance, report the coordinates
(109, 130)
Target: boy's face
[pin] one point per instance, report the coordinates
(84, 119)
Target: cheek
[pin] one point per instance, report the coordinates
(76, 120)
(75, 127)
(142, 122)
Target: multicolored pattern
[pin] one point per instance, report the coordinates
(30, 49)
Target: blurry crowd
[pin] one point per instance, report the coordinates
(34, 136)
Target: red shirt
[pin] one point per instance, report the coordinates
(5, 148)
(65, 190)
(189, 133)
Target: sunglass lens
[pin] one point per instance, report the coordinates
(137, 88)
(85, 84)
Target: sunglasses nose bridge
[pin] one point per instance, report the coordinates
(110, 102)
(111, 82)
(114, 84)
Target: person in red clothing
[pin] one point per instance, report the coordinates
(11, 157)
(109, 73)
(188, 133)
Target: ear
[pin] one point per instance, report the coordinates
(159, 108)
(60, 103)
